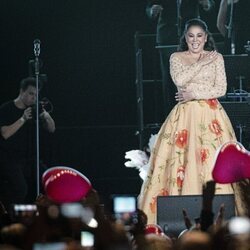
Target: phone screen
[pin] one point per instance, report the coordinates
(124, 204)
(87, 239)
(21, 210)
(25, 207)
(50, 246)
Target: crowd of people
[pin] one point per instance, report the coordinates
(50, 227)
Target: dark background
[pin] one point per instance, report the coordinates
(88, 53)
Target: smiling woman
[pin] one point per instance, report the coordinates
(183, 155)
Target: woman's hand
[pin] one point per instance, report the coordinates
(207, 58)
(184, 95)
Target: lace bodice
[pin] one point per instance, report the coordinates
(206, 82)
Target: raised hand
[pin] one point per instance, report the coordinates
(220, 217)
(27, 114)
(208, 57)
(208, 192)
(187, 220)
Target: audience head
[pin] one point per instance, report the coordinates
(194, 240)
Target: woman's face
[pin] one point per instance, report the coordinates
(196, 39)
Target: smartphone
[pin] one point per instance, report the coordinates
(124, 204)
(72, 210)
(87, 239)
(124, 209)
(24, 209)
(50, 246)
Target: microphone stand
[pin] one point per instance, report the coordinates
(36, 64)
(229, 27)
(178, 18)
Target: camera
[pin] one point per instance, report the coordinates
(40, 110)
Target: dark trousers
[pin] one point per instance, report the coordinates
(13, 185)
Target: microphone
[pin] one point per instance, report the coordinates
(37, 43)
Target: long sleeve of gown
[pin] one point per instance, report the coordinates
(216, 89)
(206, 82)
(182, 75)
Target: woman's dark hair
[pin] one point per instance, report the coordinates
(209, 45)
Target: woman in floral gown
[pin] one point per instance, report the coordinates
(183, 155)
